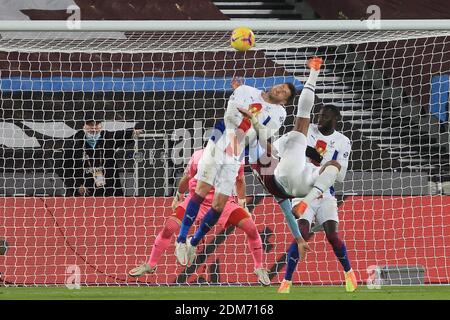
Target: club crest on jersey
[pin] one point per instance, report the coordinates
(321, 147)
(255, 108)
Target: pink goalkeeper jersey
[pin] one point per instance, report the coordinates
(192, 170)
(231, 205)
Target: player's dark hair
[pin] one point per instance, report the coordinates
(293, 91)
(332, 108)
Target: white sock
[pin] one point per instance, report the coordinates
(313, 75)
(306, 100)
(324, 181)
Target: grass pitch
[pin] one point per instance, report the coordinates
(225, 293)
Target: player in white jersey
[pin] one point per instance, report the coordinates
(324, 144)
(294, 176)
(221, 159)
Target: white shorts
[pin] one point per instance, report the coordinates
(320, 210)
(293, 173)
(217, 169)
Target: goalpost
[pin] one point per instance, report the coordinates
(173, 78)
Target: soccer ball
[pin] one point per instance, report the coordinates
(242, 39)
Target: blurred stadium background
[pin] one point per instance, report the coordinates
(394, 103)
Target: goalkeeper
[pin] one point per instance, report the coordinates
(233, 214)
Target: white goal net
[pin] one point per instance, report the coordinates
(391, 87)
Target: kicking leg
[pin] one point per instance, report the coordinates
(306, 100)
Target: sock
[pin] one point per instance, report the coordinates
(292, 262)
(254, 241)
(162, 241)
(189, 216)
(312, 79)
(208, 222)
(323, 182)
(340, 250)
(306, 100)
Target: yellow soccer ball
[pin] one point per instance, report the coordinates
(242, 39)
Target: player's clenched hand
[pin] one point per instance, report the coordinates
(246, 113)
(303, 247)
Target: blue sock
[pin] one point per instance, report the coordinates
(341, 254)
(189, 216)
(292, 261)
(208, 222)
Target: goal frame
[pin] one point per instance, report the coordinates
(224, 25)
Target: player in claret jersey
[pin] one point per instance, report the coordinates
(294, 176)
(222, 156)
(325, 143)
(233, 214)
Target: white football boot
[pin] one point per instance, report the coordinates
(263, 276)
(141, 269)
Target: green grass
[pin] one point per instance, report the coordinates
(225, 293)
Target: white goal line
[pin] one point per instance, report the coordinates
(224, 25)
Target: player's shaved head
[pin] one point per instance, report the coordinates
(329, 116)
(333, 109)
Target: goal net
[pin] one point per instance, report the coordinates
(390, 85)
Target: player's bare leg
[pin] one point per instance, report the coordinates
(192, 209)
(340, 250)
